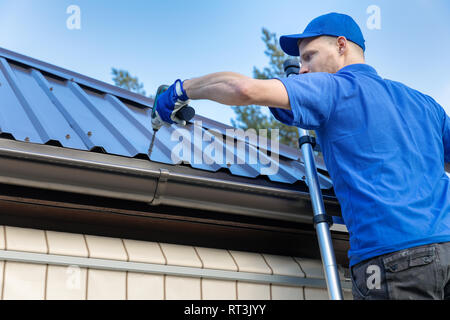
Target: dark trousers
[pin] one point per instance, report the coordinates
(415, 273)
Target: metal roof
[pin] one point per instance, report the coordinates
(45, 104)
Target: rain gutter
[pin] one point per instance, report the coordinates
(62, 169)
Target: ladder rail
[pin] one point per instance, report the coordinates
(321, 224)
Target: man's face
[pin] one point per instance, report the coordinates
(319, 54)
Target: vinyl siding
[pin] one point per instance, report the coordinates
(23, 280)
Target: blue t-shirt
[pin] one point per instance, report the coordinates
(384, 145)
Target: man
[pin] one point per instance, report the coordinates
(384, 144)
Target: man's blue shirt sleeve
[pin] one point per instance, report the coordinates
(311, 97)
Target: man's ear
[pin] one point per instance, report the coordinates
(342, 44)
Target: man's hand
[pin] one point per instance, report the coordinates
(168, 104)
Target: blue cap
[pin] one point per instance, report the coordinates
(331, 24)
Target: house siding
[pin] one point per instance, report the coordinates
(22, 280)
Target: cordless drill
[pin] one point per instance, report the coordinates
(186, 113)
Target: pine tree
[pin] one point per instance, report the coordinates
(123, 79)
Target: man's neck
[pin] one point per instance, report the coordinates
(353, 60)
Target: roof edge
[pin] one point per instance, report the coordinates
(53, 168)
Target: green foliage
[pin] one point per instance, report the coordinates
(252, 116)
(123, 79)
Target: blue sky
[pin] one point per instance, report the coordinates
(160, 41)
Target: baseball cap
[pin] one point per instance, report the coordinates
(330, 24)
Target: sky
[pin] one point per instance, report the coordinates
(161, 41)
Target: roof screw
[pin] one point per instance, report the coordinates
(27, 139)
(51, 88)
(67, 136)
(228, 164)
(89, 133)
(303, 178)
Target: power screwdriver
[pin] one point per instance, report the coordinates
(186, 113)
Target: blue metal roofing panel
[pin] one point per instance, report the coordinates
(44, 104)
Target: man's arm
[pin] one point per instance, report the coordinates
(235, 89)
